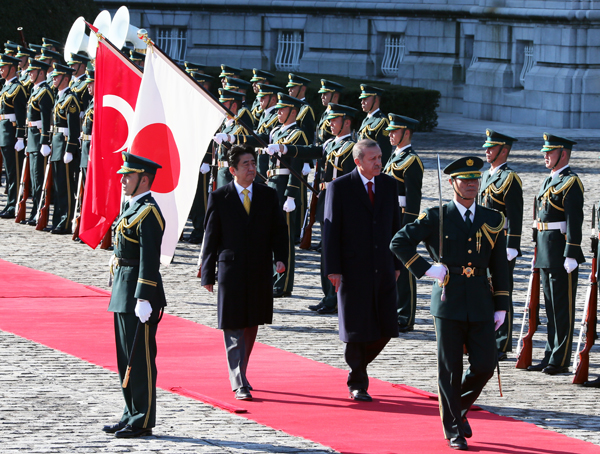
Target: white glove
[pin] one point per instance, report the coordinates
(570, 265)
(19, 145)
(272, 149)
(204, 168)
(112, 261)
(511, 253)
(143, 310)
(221, 137)
(306, 168)
(437, 272)
(499, 317)
(45, 150)
(533, 263)
(289, 205)
(68, 157)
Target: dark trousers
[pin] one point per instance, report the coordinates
(406, 287)
(560, 290)
(504, 333)
(140, 394)
(285, 281)
(198, 210)
(358, 356)
(63, 195)
(238, 346)
(13, 162)
(37, 169)
(329, 299)
(456, 395)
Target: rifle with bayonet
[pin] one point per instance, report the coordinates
(581, 364)
(530, 312)
(24, 188)
(44, 208)
(312, 213)
(78, 202)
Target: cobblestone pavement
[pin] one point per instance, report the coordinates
(51, 402)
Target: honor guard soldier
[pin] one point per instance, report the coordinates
(193, 67)
(502, 190)
(138, 296)
(13, 114)
(137, 58)
(51, 44)
(87, 127)
(25, 54)
(297, 86)
(375, 124)
(406, 168)
(65, 147)
(39, 119)
(79, 82)
(206, 80)
(228, 71)
(473, 244)
(37, 48)
(259, 77)
(241, 86)
(330, 92)
(51, 57)
(559, 208)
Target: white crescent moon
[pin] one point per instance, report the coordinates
(123, 107)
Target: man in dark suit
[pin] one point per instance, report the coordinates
(245, 231)
(361, 217)
(466, 308)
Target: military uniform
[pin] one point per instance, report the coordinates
(406, 168)
(469, 253)
(13, 113)
(261, 78)
(375, 124)
(79, 86)
(137, 58)
(23, 74)
(228, 71)
(559, 208)
(503, 191)
(138, 237)
(266, 123)
(87, 127)
(323, 133)
(241, 86)
(49, 56)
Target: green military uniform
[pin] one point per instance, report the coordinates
(503, 191)
(228, 71)
(138, 237)
(87, 127)
(375, 124)
(241, 86)
(470, 252)
(323, 133)
(79, 86)
(23, 74)
(49, 56)
(191, 67)
(559, 206)
(263, 78)
(266, 122)
(406, 168)
(39, 118)
(13, 113)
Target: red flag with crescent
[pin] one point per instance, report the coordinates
(116, 88)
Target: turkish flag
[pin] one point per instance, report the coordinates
(175, 120)
(116, 87)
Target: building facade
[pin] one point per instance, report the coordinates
(520, 61)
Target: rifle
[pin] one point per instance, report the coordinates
(107, 240)
(307, 231)
(44, 208)
(532, 304)
(23, 192)
(78, 198)
(581, 365)
(20, 30)
(130, 361)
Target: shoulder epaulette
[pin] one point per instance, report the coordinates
(293, 138)
(303, 110)
(489, 230)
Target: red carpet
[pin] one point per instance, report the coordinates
(294, 394)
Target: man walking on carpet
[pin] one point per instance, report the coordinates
(246, 232)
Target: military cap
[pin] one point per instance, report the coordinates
(62, 70)
(237, 84)
(8, 60)
(266, 90)
(90, 74)
(369, 90)
(466, 168)
(230, 95)
(137, 164)
(48, 54)
(37, 48)
(201, 77)
(134, 55)
(260, 75)
(47, 42)
(229, 71)
(338, 110)
(37, 64)
(401, 122)
(193, 67)
(553, 142)
(328, 86)
(10, 47)
(494, 138)
(294, 80)
(285, 100)
(25, 52)
(78, 59)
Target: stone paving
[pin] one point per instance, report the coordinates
(51, 402)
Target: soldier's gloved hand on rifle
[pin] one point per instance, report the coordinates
(499, 317)
(276, 148)
(19, 145)
(306, 168)
(570, 265)
(143, 309)
(45, 150)
(222, 137)
(437, 271)
(112, 263)
(511, 253)
(68, 157)
(289, 205)
(533, 263)
(204, 168)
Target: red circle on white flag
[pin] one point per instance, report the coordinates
(156, 142)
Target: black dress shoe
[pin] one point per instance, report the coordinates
(48, 229)
(243, 393)
(32, 222)
(537, 368)
(8, 215)
(133, 432)
(113, 428)
(406, 328)
(458, 443)
(467, 428)
(277, 293)
(592, 383)
(327, 310)
(194, 240)
(60, 232)
(316, 307)
(553, 370)
(361, 395)
(502, 356)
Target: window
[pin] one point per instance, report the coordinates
(290, 45)
(527, 61)
(173, 42)
(393, 54)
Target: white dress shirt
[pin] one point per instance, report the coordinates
(240, 189)
(463, 210)
(365, 181)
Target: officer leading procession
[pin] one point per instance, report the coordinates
(384, 243)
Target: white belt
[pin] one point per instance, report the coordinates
(505, 224)
(35, 124)
(64, 131)
(85, 136)
(10, 117)
(561, 225)
(276, 172)
(402, 200)
(223, 164)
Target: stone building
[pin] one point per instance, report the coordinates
(521, 61)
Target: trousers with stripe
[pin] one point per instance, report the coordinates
(504, 333)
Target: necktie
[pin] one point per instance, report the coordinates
(246, 201)
(468, 219)
(370, 191)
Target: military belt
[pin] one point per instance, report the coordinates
(276, 172)
(35, 124)
(128, 262)
(560, 225)
(10, 117)
(223, 164)
(63, 131)
(467, 270)
(85, 136)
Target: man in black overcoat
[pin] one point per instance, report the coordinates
(361, 217)
(246, 232)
